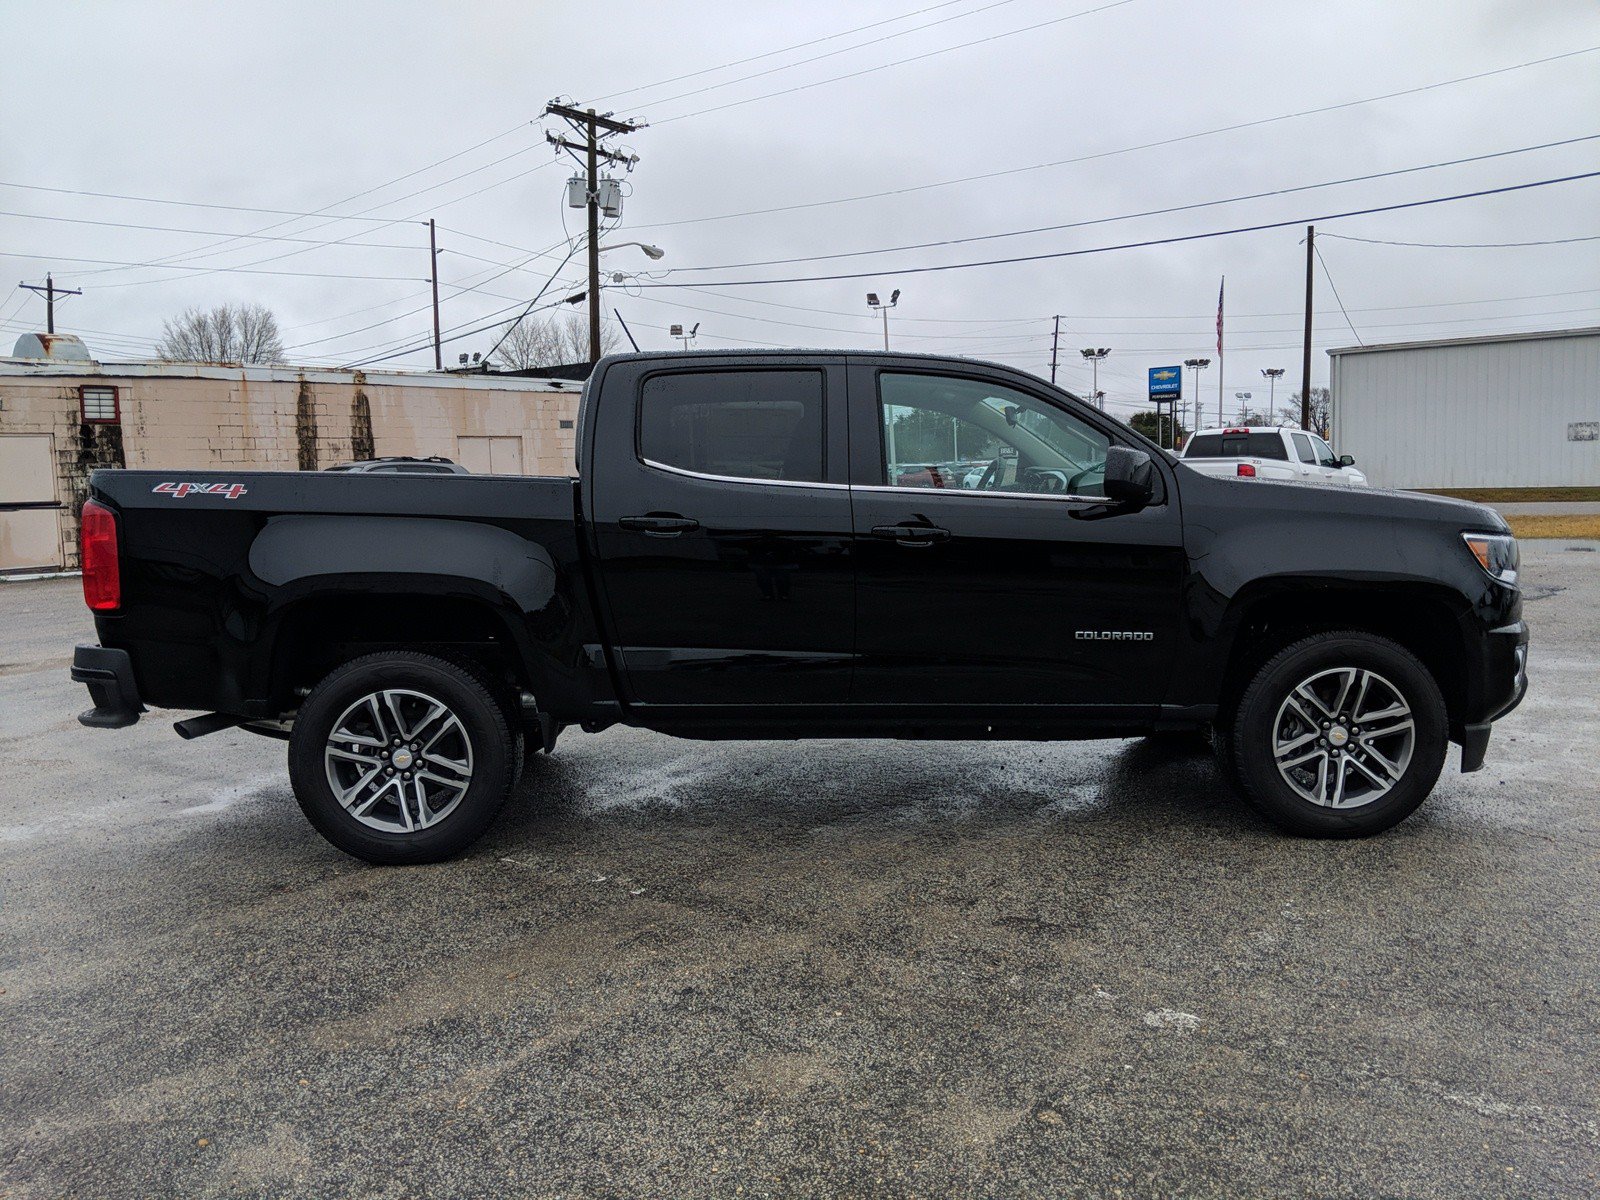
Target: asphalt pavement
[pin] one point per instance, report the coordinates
(798, 969)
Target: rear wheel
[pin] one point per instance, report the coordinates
(1339, 735)
(401, 758)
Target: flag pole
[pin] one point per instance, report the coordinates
(1221, 369)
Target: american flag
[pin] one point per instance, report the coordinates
(1223, 285)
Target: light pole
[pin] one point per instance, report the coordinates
(1244, 399)
(1094, 355)
(874, 303)
(1273, 374)
(1197, 365)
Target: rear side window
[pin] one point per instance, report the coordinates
(1302, 448)
(1247, 444)
(742, 424)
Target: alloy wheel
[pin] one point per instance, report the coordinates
(1343, 738)
(399, 760)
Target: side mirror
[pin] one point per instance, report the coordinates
(1130, 476)
(1347, 460)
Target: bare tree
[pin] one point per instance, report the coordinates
(531, 344)
(247, 333)
(1321, 406)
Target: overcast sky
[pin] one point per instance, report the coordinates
(317, 107)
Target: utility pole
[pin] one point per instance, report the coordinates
(433, 275)
(1305, 354)
(50, 291)
(1094, 355)
(1055, 343)
(593, 127)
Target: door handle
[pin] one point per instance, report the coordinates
(912, 535)
(659, 526)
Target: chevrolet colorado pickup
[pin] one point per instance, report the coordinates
(738, 558)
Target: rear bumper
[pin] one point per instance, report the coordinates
(108, 674)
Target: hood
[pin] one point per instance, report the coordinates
(1355, 503)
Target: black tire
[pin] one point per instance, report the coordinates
(1254, 729)
(481, 726)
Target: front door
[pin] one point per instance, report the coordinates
(991, 571)
(722, 529)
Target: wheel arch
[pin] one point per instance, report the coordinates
(1424, 618)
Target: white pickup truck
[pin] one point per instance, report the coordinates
(1270, 452)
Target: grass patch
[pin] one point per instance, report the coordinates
(1545, 526)
(1540, 495)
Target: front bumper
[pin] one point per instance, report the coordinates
(1506, 657)
(108, 674)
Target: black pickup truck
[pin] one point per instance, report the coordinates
(806, 544)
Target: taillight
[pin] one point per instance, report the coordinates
(97, 555)
(1248, 470)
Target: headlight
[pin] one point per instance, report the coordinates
(1496, 553)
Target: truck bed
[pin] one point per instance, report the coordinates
(214, 562)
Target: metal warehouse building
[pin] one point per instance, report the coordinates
(1519, 410)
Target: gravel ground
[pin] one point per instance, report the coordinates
(832, 968)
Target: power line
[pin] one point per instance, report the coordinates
(899, 62)
(1328, 275)
(888, 37)
(644, 87)
(1166, 241)
(202, 270)
(1344, 237)
(199, 232)
(1170, 141)
(202, 251)
(1153, 212)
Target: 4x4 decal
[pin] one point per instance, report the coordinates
(179, 490)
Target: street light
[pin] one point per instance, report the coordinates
(1244, 399)
(1094, 355)
(1197, 365)
(649, 250)
(874, 303)
(1272, 374)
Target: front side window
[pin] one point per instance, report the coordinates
(741, 424)
(1325, 455)
(965, 435)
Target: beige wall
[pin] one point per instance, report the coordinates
(284, 423)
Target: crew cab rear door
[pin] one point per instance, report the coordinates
(719, 511)
(1014, 586)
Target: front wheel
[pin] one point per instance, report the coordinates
(401, 758)
(1339, 735)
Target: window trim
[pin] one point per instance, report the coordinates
(820, 371)
(987, 381)
(116, 404)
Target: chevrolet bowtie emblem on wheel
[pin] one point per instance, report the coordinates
(1115, 635)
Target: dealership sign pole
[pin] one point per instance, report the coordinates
(1166, 387)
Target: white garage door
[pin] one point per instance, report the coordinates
(490, 455)
(30, 515)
